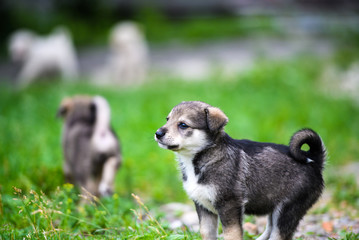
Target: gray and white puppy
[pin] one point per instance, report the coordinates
(227, 178)
(91, 147)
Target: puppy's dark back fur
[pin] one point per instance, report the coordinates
(267, 172)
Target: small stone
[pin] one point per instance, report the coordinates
(190, 219)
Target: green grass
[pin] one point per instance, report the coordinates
(60, 216)
(268, 103)
(348, 236)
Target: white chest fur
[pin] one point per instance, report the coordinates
(203, 194)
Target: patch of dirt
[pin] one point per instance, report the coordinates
(313, 226)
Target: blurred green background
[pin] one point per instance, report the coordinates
(267, 101)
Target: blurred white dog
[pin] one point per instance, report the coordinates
(128, 60)
(41, 55)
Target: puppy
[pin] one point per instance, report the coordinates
(90, 146)
(41, 55)
(227, 178)
(128, 62)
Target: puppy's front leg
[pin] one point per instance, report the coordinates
(108, 176)
(208, 223)
(231, 216)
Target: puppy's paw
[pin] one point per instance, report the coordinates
(105, 190)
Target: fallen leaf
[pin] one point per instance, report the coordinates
(328, 226)
(250, 228)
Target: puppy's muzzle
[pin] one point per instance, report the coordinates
(160, 133)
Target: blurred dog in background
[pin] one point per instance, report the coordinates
(90, 146)
(40, 56)
(128, 60)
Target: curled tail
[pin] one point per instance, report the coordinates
(316, 152)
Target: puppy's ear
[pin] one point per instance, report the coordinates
(216, 119)
(64, 108)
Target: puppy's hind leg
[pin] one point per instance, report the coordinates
(287, 216)
(108, 176)
(275, 233)
(266, 234)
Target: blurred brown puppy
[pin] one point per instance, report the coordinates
(91, 148)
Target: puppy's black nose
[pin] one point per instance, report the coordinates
(160, 133)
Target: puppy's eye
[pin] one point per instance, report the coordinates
(167, 118)
(183, 125)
